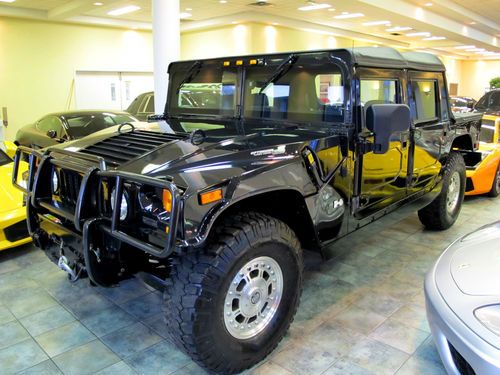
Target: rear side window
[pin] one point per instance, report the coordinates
(425, 96)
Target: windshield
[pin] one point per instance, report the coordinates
(208, 90)
(312, 91)
(307, 88)
(489, 102)
(83, 125)
(4, 158)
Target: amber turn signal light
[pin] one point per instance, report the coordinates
(211, 196)
(167, 200)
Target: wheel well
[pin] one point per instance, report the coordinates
(463, 142)
(288, 206)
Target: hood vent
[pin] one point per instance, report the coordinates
(124, 147)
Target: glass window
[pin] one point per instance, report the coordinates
(311, 92)
(374, 91)
(487, 134)
(490, 101)
(4, 158)
(150, 107)
(210, 90)
(424, 94)
(83, 125)
(50, 123)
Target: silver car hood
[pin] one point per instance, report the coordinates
(467, 276)
(475, 265)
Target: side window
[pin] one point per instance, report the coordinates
(375, 91)
(425, 96)
(50, 123)
(330, 89)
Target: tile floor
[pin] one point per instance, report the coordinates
(362, 312)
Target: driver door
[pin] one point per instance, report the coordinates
(383, 177)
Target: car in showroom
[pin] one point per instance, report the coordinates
(484, 177)
(64, 126)
(142, 106)
(462, 104)
(280, 153)
(13, 230)
(462, 293)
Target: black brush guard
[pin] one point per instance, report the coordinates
(92, 168)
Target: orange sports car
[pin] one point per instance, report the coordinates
(484, 177)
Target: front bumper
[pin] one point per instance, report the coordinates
(460, 349)
(13, 230)
(480, 179)
(57, 228)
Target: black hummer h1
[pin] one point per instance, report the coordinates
(254, 159)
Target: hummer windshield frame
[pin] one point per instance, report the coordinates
(314, 88)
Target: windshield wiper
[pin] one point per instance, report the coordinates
(281, 70)
(191, 73)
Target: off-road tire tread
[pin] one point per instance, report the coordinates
(192, 272)
(432, 216)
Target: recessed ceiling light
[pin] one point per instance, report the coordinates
(428, 4)
(183, 15)
(189, 9)
(472, 23)
(7, 1)
(331, 9)
(124, 10)
(275, 23)
(464, 47)
(376, 23)
(423, 33)
(222, 1)
(435, 38)
(475, 50)
(314, 7)
(98, 4)
(398, 28)
(349, 15)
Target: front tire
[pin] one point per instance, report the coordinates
(495, 187)
(443, 211)
(229, 305)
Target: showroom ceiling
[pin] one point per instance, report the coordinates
(444, 26)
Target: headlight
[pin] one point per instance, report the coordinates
(123, 204)
(489, 316)
(55, 181)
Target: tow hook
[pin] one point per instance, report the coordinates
(64, 265)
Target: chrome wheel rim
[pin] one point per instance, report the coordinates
(253, 297)
(453, 193)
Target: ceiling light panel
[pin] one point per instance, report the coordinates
(7, 1)
(377, 23)
(124, 10)
(313, 6)
(423, 33)
(398, 28)
(349, 15)
(434, 38)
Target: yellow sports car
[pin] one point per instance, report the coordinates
(13, 230)
(484, 178)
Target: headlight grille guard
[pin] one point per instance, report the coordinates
(92, 167)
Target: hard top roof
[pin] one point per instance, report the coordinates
(376, 57)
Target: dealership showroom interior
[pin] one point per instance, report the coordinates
(281, 187)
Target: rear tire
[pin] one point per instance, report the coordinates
(443, 211)
(495, 187)
(229, 305)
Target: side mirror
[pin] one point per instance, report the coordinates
(384, 120)
(52, 134)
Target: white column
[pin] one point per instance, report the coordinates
(166, 45)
